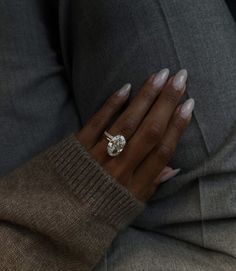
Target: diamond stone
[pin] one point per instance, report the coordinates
(116, 145)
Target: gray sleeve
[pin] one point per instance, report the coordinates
(37, 106)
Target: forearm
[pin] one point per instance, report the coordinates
(61, 211)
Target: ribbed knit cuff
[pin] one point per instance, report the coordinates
(94, 187)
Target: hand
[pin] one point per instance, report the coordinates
(152, 125)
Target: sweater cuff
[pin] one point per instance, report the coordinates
(94, 187)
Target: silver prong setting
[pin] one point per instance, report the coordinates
(116, 144)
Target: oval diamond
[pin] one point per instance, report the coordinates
(116, 145)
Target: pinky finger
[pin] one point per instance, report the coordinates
(90, 133)
(168, 175)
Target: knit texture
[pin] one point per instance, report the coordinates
(61, 211)
(93, 185)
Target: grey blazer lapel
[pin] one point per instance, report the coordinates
(204, 36)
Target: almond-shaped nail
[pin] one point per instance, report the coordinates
(165, 170)
(169, 175)
(180, 79)
(160, 78)
(187, 108)
(124, 91)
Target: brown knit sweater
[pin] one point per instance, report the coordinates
(60, 211)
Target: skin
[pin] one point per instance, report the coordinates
(152, 126)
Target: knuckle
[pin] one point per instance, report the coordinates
(114, 168)
(138, 191)
(179, 124)
(165, 152)
(96, 121)
(148, 93)
(119, 171)
(128, 126)
(112, 102)
(172, 97)
(142, 192)
(155, 131)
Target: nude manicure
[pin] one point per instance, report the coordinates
(187, 108)
(125, 90)
(160, 78)
(169, 175)
(180, 79)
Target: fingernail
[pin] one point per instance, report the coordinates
(165, 170)
(124, 91)
(187, 108)
(160, 78)
(180, 79)
(169, 175)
